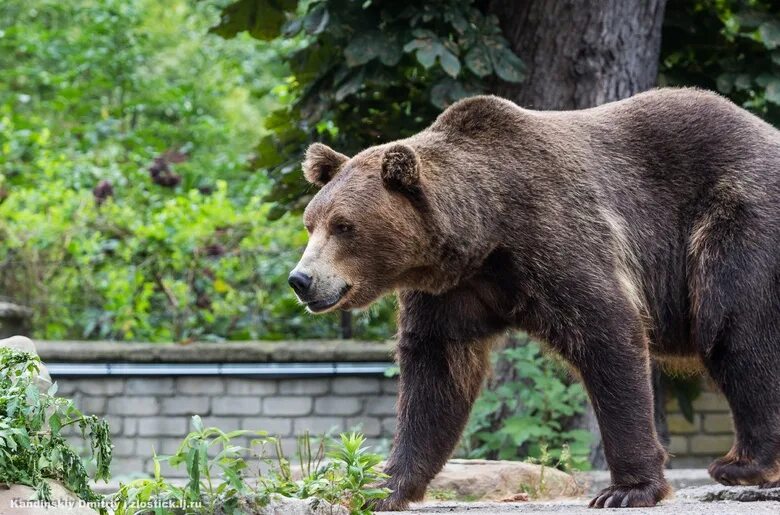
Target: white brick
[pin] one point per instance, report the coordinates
(273, 425)
(369, 426)
(163, 426)
(381, 406)
(287, 406)
(303, 386)
(149, 386)
(132, 406)
(196, 385)
(235, 406)
(184, 405)
(256, 387)
(318, 425)
(355, 385)
(337, 405)
(102, 386)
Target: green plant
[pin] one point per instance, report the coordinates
(32, 447)
(366, 72)
(540, 403)
(220, 479)
(731, 46)
(129, 209)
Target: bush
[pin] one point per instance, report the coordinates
(32, 447)
(529, 417)
(129, 209)
(346, 479)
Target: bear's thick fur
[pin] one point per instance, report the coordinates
(649, 226)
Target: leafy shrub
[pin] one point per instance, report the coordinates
(529, 417)
(32, 448)
(128, 206)
(731, 46)
(346, 479)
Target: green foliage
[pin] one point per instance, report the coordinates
(366, 73)
(220, 480)
(32, 447)
(731, 46)
(532, 413)
(130, 95)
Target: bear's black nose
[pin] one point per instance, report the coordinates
(299, 282)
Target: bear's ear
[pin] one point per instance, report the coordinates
(401, 169)
(322, 163)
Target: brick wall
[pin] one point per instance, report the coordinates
(710, 435)
(148, 413)
(154, 413)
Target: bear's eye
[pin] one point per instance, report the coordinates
(342, 228)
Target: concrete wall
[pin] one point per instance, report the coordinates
(710, 435)
(147, 413)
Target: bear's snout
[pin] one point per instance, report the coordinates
(299, 282)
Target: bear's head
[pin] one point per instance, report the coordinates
(368, 230)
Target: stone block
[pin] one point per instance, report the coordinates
(149, 386)
(254, 387)
(287, 406)
(333, 405)
(134, 406)
(316, 386)
(678, 445)
(710, 401)
(369, 426)
(235, 405)
(356, 385)
(123, 447)
(163, 426)
(390, 385)
(185, 405)
(714, 445)
(101, 386)
(275, 426)
(200, 385)
(92, 405)
(718, 423)
(318, 425)
(384, 405)
(678, 424)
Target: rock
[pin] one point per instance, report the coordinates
(16, 500)
(496, 480)
(24, 344)
(711, 493)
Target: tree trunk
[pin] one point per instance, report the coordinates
(579, 54)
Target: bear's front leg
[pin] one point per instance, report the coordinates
(439, 382)
(616, 371)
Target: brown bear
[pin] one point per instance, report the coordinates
(644, 227)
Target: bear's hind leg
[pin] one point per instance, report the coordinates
(735, 324)
(749, 380)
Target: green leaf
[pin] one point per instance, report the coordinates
(725, 83)
(263, 19)
(371, 45)
(316, 21)
(54, 423)
(772, 91)
(478, 61)
(449, 63)
(507, 64)
(770, 34)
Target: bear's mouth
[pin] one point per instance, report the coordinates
(318, 306)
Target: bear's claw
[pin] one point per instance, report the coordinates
(643, 495)
(732, 471)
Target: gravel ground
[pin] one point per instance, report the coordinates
(580, 507)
